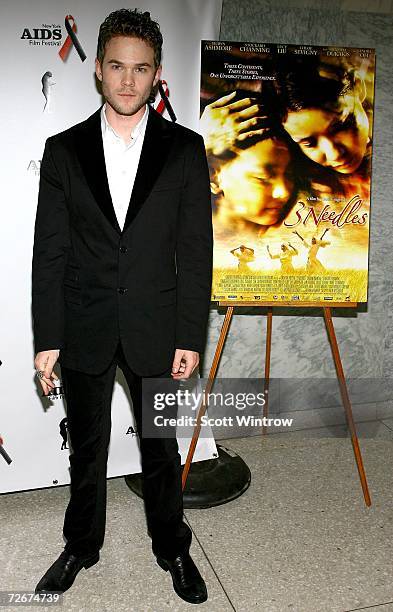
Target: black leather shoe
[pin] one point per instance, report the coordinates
(62, 573)
(187, 581)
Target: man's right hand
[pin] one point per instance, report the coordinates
(45, 361)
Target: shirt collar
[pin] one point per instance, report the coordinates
(138, 130)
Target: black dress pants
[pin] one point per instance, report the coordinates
(88, 400)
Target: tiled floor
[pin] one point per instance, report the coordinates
(300, 539)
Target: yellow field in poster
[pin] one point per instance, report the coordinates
(288, 136)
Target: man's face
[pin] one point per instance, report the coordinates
(337, 140)
(127, 74)
(256, 184)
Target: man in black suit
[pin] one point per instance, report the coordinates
(121, 276)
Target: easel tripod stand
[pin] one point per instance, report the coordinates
(337, 362)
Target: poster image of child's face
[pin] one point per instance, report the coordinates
(257, 184)
(336, 139)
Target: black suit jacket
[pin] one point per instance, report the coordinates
(148, 285)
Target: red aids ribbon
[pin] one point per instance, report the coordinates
(164, 102)
(71, 40)
(161, 105)
(3, 453)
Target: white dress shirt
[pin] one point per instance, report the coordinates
(121, 162)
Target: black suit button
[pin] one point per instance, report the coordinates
(122, 290)
(123, 249)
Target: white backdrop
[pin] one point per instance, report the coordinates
(29, 424)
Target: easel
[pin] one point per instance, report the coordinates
(337, 361)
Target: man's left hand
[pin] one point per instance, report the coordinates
(184, 363)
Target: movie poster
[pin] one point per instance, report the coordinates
(288, 135)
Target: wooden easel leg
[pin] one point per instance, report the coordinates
(210, 381)
(269, 327)
(347, 403)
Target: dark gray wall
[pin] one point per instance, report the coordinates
(300, 346)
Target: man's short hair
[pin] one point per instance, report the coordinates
(133, 23)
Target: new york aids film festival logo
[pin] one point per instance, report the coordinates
(66, 41)
(53, 35)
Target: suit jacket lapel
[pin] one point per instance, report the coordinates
(156, 147)
(90, 152)
(155, 151)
